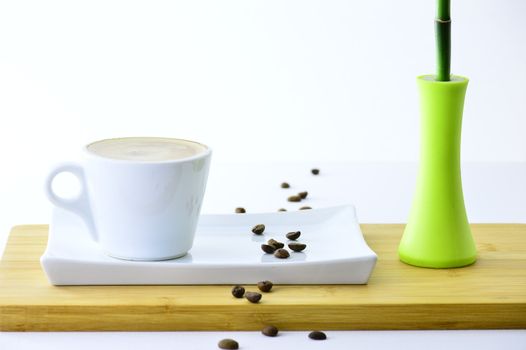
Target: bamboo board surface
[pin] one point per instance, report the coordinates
(490, 294)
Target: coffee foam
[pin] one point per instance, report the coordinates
(146, 148)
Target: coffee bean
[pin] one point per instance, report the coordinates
(265, 286)
(267, 248)
(285, 185)
(258, 229)
(240, 210)
(317, 335)
(275, 243)
(305, 207)
(253, 297)
(270, 331)
(297, 247)
(238, 291)
(315, 171)
(228, 344)
(294, 235)
(281, 253)
(294, 198)
(282, 209)
(303, 194)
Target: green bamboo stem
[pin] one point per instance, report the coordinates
(443, 40)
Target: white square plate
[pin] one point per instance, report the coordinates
(225, 251)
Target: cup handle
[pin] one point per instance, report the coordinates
(78, 205)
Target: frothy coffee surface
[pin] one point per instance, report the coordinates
(146, 148)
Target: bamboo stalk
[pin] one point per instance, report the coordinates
(443, 40)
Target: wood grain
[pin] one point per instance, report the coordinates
(490, 294)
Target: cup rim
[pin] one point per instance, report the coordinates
(207, 151)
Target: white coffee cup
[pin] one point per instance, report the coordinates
(138, 203)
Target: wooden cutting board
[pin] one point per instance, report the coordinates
(488, 294)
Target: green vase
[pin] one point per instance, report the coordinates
(437, 234)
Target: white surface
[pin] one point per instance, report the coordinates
(381, 192)
(224, 252)
(381, 340)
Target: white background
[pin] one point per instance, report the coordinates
(259, 81)
(287, 80)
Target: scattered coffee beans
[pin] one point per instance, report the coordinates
(253, 297)
(294, 198)
(228, 344)
(315, 171)
(270, 331)
(238, 291)
(281, 253)
(285, 185)
(317, 335)
(275, 243)
(303, 194)
(293, 235)
(267, 248)
(240, 210)
(265, 286)
(282, 209)
(297, 247)
(305, 207)
(258, 229)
